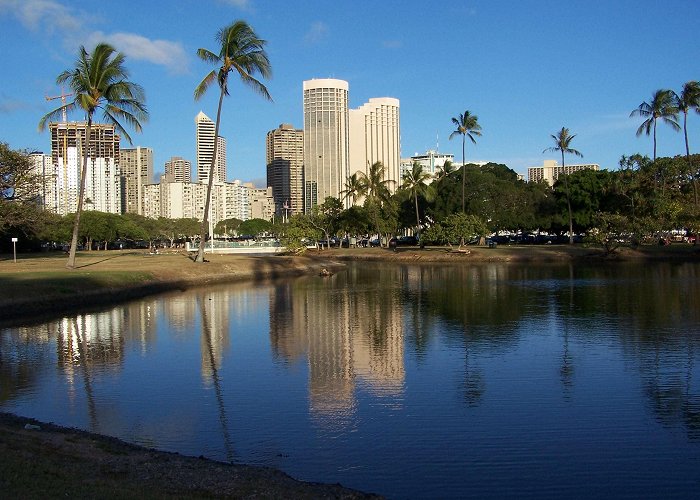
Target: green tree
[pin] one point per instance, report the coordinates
(467, 126)
(99, 81)
(689, 100)
(242, 51)
(661, 106)
(415, 183)
(228, 227)
(562, 143)
(255, 227)
(446, 170)
(375, 188)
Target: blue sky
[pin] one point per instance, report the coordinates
(525, 68)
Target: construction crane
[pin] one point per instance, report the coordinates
(62, 97)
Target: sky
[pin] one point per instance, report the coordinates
(524, 68)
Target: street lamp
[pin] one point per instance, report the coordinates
(14, 249)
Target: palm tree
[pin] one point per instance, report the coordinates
(373, 183)
(467, 126)
(415, 182)
(98, 81)
(354, 188)
(661, 106)
(242, 51)
(562, 142)
(688, 100)
(446, 170)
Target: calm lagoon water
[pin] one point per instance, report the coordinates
(430, 381)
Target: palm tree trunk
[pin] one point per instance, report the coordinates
(654, 139)
(81, 196)
(415, 197)
(207, 205)
(464, 174)
(568, 200)
(690, 163)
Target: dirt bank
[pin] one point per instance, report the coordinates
(39, 460)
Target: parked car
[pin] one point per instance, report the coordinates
(403, 241)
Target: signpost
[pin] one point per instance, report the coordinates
(14, 248)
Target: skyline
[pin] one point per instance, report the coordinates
(505, 69)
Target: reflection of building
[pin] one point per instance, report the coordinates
(136, 165)
(285, 168)
(102, 183)
(551, 171)
(347, 336)
(325, 139)
(375, 137)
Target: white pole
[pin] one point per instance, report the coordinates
(14, 249)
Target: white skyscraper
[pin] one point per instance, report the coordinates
(205, 150)
(375, 137)
(136, 166)
(325, 139)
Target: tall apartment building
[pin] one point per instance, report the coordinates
(178, 169)
(326, 148)
(205, 129)
(103, 180)
(551, 171)
(285, 168)
(375, 137)
(46, 190)
(136, 165)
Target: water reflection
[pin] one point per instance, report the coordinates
(397, 339)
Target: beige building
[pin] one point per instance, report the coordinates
(103, 180)
(47, 190)
(136, 166)
(285, 168)
(177, 169)
(325, 139)
(375, 137)
(551, 171)
(205, 129)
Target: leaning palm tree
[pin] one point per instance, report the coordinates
(354, 188)
(562, 142)
(98, 81)
(415, 182)
(243, 52)
(688, 100)
(661, 106)
(467, 126)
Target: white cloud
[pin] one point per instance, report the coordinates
(51, 17)
(43, 15)
(162, 52)
(241, 4)
(317, 32)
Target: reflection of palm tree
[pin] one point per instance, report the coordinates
(206, 334)
(474, 385)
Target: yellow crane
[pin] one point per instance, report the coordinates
(62, 97)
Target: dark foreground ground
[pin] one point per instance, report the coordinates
(39, 460)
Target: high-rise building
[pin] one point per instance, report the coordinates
(285, 168)
(325, 139)
(375, 137)
(205, 149)
(136, 166)
(103, 180)
(551, 170)
(46, 189)
(178, 169)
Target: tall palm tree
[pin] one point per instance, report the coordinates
(661, 106)
(415, 182)
(467, 126)
(354, 188)
(99, 80)
(689, 100)
(242, 51)
(562, 143)
(373, 183)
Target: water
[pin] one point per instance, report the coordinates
(430, 381)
